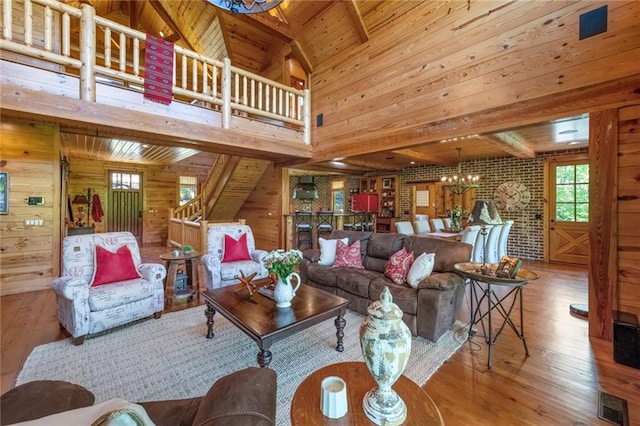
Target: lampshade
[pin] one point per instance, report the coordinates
(485, 212)
(80, 199)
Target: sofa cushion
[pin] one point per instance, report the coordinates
(328, 250)
(231, 270)
(111, 267)
(356, 281)
(235, 250)
(404, 296)
(448, 253)
(348, 256)
(398, 266)
(325, 275)
(421, 269)
(117, 294)
(354, 236)
(441, 281)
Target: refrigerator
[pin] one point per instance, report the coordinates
(364, 203)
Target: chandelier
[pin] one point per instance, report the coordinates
(459, 184)
(245, 6)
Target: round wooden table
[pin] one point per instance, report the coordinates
(305, 407)
(172, 262)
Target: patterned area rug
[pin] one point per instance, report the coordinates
(170, 358)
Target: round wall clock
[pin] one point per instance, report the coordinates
(511, 196)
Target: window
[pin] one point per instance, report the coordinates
(572, 193)
(124, 180)
(187, 189)
(337, 196)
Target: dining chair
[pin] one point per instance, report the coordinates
(447, 222)
(436, 224)
(491, 247)
(404, 227)
(421, 226)
(470, 236)
(504, 237)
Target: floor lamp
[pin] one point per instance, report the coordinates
(484, 213)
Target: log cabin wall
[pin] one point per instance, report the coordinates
(29, 254)
(160, 188)
(442, 67)
(263, 210)
(628, 203)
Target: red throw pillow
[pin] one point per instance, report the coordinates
(113, 267)
(398, 266)
(348, 256)
(235, 250)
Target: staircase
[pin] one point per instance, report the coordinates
(230, 182)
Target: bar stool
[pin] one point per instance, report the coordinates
(304, 230)
(361, 222)
(324, 223)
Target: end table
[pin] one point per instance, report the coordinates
(481, 290)
(172, 261)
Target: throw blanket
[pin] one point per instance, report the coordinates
(96, 209)
(158, 61)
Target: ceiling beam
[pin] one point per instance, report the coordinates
(299, 54)
(164, 15)
(270, 25)
(512, 143)
(371, 165)
(423, 156)
(225, 35)
(356, 19)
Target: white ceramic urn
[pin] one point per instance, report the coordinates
(386, 345)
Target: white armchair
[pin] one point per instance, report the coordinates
(84, 309)
(218, 273)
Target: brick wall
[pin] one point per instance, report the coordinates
(526, 237)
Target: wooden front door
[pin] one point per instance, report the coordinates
(125, 203)
(568, 225)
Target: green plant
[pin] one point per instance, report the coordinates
(187, 248)
(282, 262)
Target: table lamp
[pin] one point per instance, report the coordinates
(484, 213)
(83, 200)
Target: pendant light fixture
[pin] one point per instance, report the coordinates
(459, 184)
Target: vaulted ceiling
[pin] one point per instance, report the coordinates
(311, 32)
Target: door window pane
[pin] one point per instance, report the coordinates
(572, 193)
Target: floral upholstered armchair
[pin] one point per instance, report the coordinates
(104, 284)
(231, 252)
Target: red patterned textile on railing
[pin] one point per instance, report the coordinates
(158, 61)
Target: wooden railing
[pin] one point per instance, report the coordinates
(191, 210)
(184, 232)
(46, 28)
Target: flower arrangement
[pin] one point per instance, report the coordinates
(282, 262)
(456, 216)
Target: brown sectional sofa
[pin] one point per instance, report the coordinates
(243, 398)
(429, 310)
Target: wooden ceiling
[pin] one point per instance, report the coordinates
(312, 32)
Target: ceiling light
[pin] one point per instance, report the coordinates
(459, 184)
(245, 6)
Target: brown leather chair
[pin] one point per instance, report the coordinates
(243, 398)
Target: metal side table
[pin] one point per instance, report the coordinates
(481, 290)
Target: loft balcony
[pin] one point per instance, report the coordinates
(66, 65)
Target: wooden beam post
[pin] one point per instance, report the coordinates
(603, 221)
(87, 54)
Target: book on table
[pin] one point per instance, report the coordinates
(267, 291)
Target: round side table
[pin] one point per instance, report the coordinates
(305, 407)
(172, 261)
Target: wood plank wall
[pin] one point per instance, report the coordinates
(29, 255)
(160, 188)
(440, 62)
(628, 190)
(263, 210)
(614, 155)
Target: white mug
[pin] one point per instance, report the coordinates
(333, 397)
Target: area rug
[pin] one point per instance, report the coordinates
(169, 358)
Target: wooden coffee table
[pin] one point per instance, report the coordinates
(305, 407)
(260, 319)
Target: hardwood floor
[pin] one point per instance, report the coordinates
(557, 385)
